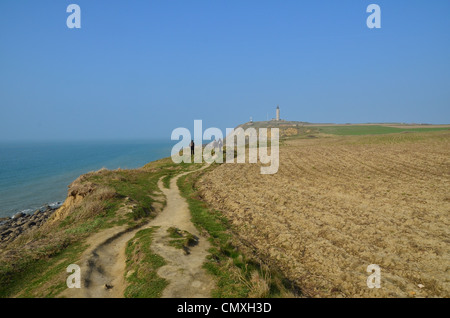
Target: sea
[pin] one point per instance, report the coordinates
(36, 174)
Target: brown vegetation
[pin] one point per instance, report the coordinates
(339, 204)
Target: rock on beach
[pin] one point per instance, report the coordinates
(19, 223)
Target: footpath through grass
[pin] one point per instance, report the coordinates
(34, 265)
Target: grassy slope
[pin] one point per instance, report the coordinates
(34, 265)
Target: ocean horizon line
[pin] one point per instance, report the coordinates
(36, 174)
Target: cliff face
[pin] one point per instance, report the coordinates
(22, 223)
(78, 190)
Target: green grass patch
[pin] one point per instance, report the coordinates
(166, 180)
(174, 233)
(141, 266)
(178, 243)
(354, 130)
(137, 186)
(87, 227)
(44, 277)
(181, 239)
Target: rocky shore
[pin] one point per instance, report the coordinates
(11, 228)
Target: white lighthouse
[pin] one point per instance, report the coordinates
(278, 113)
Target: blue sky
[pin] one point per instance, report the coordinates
(139, 69)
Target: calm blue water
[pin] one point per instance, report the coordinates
(34, 174)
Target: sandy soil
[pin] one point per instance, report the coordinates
(339, 204)
(103, 263)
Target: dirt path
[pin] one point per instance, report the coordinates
(103, 263)
(185, 274)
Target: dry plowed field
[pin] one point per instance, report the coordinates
(339, 204)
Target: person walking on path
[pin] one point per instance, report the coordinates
(220, 144)
(192, 147)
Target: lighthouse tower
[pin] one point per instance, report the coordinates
(278, 113)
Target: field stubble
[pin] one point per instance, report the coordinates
(339, 204)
